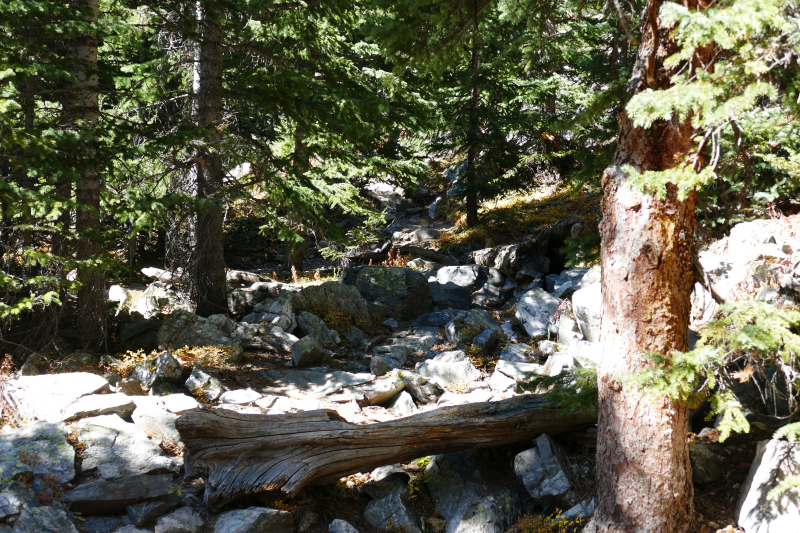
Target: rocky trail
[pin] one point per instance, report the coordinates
(108, 444)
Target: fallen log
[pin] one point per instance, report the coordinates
(245, 277)
(425, 253)
(240, 454)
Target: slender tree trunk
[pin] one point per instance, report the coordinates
(209, 261)
(295, 251)
(614, 54)
(28, 182)
(473, 132)
(83, 112)
(644, 481)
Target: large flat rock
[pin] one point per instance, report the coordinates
(184, 520)
(113, 496)
(254, 520)
(521, 372)
(46, 397)
(448, 368)
(179, 403)
(157, 423)
(45, 520)
(381, 390)
(44, 444)
(99, 404)
(310, 382)
(116, 448)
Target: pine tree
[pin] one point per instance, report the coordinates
(81, 113)
(644, 480)
(732, 105)
(208, 262)
(50, 170)
(295, 83)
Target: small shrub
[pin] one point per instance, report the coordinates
(172, 447)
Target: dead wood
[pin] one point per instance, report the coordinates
(240, 454)
(245, 277)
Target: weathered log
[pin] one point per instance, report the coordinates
(240, 454)
(425, 253)
(245, 277)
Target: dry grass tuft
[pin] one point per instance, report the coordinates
(207, 356)
(547, 524)
(396, 259)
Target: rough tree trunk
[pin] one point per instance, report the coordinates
(644, 480)
(472, 134)
(295, 251)
(208, 257)
(28, 182)
(83, 111)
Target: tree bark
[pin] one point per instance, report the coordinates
(208, 258)
(241, 454)
(82, 113)
(644, 480)
(27, 181)
(295, 251)
(473, 132)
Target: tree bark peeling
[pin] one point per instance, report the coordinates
(643, 470)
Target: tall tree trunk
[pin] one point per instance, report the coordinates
(473, 132)
(28, 182)
(614, 54)
(82, 113)
(644, 480)
(209, 261)
(294, 252)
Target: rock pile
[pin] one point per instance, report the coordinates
(452, 335)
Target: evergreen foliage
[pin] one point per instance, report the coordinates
(744, 97)
(321, 99)
(756, 337)
(521, 87)
(570, 391)
(740, 106)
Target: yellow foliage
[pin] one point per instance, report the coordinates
(282, 506)
(207, 356)
(487, 361)
(547, 524)
(130, 359)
